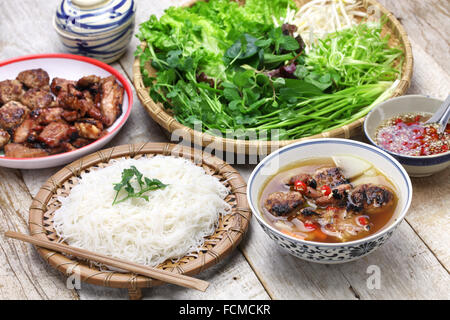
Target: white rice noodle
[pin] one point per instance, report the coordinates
(171, 224)
(317, 18)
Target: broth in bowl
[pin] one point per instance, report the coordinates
(335, 199)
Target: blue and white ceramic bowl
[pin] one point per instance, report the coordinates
(415, 166)
(330, 252)
(99, 29)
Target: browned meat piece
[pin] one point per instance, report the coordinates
(37, 98)
(311, 183)
(10, 90)
(88, 81)
(112, 98)
(35, 78)
(89, 128)
(92, 110)
(12, 114)
(309, 212)
(337, 198)
(27, 131)
(60, 85)
(329, 176)
(81, 142)
(77, 101)
(283, 203)
(62, 147)
(69, 116)
(55, 133)
(4, 138)
(15, 150)
(46, 115)
(95, 113)
(302, 177)
(370, 198)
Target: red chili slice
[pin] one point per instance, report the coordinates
(326, 190)
(300, 186)
(310, 225)
(363, 221)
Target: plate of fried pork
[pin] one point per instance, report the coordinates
(55, 108)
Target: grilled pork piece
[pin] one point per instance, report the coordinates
(88, 82)
(15, 150)
(80, 102)
(329, 176)
(89, 128)
(370, 198)
(4, 138)
(10, 90)
(45, 116)
(27, 131)
(12, 114)
(70, 116)
(37, 98)
(337, 198)
(35, 78)
(111, 102)
(62, 147)
(311, 184)
(284, 203)
(55, 133)
(81, 142)
(60, 85)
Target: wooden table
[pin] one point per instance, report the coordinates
(414, 264)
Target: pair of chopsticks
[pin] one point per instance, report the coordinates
(159, 274)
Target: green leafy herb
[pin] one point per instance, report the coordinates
(145, 185)
(229, 68)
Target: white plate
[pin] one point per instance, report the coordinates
(71, 67)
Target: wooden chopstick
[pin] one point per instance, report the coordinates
(159, 274)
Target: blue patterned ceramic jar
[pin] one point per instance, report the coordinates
(100, 29)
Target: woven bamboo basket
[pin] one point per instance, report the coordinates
(227, 236)
(166, 120)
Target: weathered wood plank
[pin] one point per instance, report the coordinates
(427, 24)
(23, 274)
(228, 280)
(429, 77)
(408, 270)
(430, 214)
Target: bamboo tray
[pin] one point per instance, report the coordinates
(166, 120)
(227, 236)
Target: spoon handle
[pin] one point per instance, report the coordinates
(438, 115)
(444, 120)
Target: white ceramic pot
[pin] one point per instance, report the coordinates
(100, 29)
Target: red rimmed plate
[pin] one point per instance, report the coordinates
(71, 67)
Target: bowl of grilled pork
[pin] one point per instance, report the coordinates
(56, 108)
(329, 200)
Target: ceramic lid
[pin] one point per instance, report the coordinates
(93, 17)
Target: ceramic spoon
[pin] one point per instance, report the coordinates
(441, 116)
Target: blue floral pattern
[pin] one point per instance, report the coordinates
(327, 254)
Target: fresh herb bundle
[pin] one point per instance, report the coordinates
(230, 69)
(145, 185)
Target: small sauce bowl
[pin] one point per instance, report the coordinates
(416, 166)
